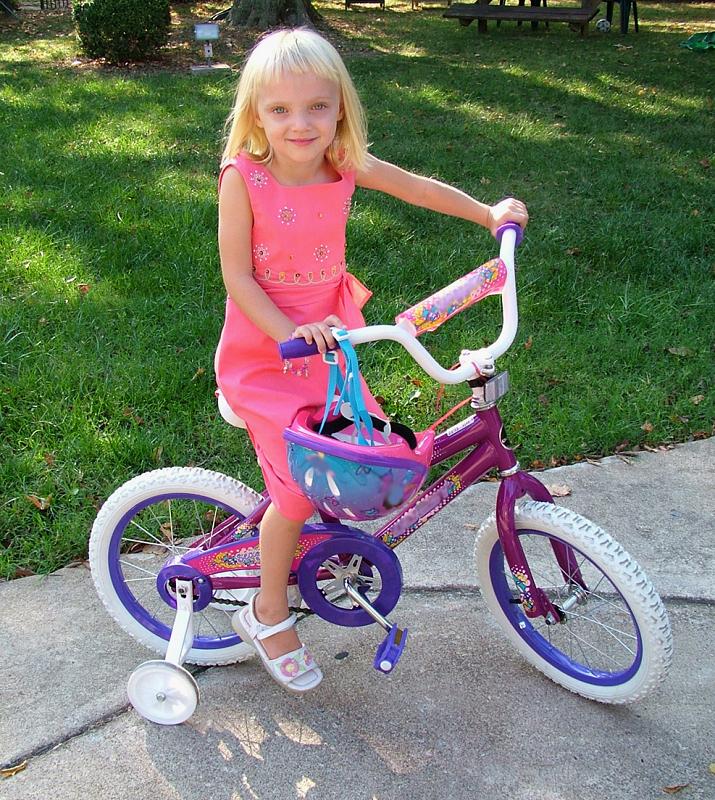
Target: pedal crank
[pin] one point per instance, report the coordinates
(392, 646)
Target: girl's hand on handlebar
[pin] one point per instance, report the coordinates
(319, 332)
(508, 210)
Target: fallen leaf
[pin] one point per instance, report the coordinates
(154, 549)
(83, 288)
(49, 459)
(167, 530)
(537, 464)
(675, 788)
(680, 351)
(697, 399)
(157, 454)
(471, 526)
(705, 163)
(573, 251)
(78, 563)
(8, 772)
(622, 445)
(543, 399)
(528, 343)
(416, 382)
(23, 572)
(711, 768)
(558, 489)
(199, 372)
(41, 503)
(647, 427)
(414, 395)
(380, 400)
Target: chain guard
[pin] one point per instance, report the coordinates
(355, 555)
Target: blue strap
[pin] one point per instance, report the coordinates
(350, 390)
(361, 415)
(335, 381)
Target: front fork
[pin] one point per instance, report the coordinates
(534, 600)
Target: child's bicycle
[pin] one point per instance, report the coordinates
(174, 552)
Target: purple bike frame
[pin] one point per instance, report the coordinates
(482, 435)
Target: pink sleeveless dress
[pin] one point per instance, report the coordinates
(298, 243)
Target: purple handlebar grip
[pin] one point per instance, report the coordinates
(297, 348)
(510, 226)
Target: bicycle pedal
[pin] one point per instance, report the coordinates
(390, 650)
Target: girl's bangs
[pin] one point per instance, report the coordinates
(299, 61)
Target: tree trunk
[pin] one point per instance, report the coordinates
(267, 14)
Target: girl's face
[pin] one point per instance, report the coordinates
(299, 115)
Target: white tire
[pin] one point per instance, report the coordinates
(124, 580)
(615, 645)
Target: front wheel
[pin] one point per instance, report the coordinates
(613, 643)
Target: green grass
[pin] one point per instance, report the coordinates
(111, 293)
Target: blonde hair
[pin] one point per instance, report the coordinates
(297, 51)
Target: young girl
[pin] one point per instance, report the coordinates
(296, 150)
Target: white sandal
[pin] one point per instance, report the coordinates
(295, 671)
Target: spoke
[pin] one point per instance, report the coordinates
(213, 527)
(611, 631)
(138, 568)
(199, 521)
(150, 544)
(138, 580)
(593, 647)
(144, 530)
(605, 601)
(205, 618)
(171, 524)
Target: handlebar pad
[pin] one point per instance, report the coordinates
(297, 348)
(429, 314)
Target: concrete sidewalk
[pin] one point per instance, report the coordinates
(462, 716)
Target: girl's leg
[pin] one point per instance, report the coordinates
(278, 541)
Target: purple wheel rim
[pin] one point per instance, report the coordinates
(550, 653)
(142, 615)
(381, 559)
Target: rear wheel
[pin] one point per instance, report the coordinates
(150, 519)
(614, 642)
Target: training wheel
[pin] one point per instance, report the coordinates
(162, 692)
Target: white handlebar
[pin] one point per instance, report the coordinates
(472, 362)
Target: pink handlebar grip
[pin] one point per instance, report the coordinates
(429, 314)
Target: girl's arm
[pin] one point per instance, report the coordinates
(235, 221)
(437, 196)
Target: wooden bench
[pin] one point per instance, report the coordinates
(349, 3)
(467, 13)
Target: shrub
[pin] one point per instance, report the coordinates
(122, 30)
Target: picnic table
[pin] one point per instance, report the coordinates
(576, 16)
